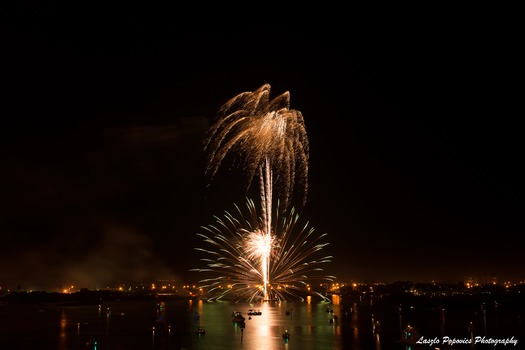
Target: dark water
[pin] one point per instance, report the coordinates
(171, 324)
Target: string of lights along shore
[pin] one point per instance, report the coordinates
(263, 252)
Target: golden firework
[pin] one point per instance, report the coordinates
(268, 136)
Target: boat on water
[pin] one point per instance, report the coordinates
(376, 328)
(333, 319)
(91, 344)
(253, 312)
(237, 317)
(410, 335)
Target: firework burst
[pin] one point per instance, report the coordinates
(256, 258)
(240, 250)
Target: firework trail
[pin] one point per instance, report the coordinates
(236, 245)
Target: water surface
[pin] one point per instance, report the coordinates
(173, 324)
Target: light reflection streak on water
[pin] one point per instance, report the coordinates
(62, 344)
(108, 316)
(263, 323)
(161, 329)
(355, 321)
(336, 302)
(153, 337)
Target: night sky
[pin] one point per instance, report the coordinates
(413, 121)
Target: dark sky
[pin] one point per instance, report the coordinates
(413, 120)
